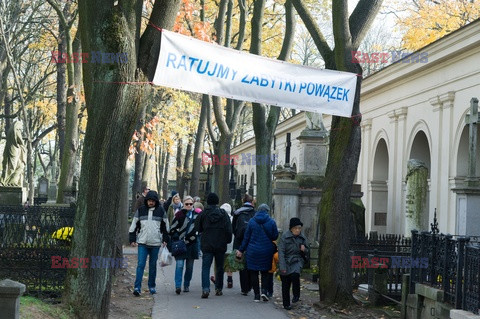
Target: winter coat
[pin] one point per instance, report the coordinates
(290, 256)
(257, 241)
(216, 229)
(240, 221)
(153, 223)
(179, 231)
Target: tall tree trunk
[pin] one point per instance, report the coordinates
(139, 156)
(61, 90)
(113, 109)
(67, 169)
(264, 127)
(158, 169)
(186, 168)
(344, 150)
(165, 176)
(198, 149)
(161, 168)
(224, 168)
(178, 167)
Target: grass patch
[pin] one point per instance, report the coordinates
(33, 308)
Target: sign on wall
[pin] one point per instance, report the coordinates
(192, 65)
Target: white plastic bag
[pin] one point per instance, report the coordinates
(166, 257)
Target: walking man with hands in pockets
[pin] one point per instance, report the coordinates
(148, 231)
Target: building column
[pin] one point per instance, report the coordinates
(396, 200)
(363, 178)
(441, 157)
(401, 114)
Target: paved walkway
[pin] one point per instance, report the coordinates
(231, 305)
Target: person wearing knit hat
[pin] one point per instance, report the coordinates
(295, 222)
(216, 230)
(293, 252)
(258, 248)
(212, 199)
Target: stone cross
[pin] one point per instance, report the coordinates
(471, 120)
(288, 145)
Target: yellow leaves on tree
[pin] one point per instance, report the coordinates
(427, 21)
(176, 117)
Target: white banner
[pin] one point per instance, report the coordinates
(192, 65)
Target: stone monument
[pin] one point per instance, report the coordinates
(42, 191)
(13, 165)
(313, 152)
(285, 195)
(416, 197)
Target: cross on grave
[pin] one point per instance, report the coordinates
(287, 149)
(471, 120)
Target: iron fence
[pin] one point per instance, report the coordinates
(381, 246)
(383, 242)
(29, 237)
(453, 267)
(472, 279)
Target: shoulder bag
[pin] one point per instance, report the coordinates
(178, 246)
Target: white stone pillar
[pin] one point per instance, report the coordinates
(366, 157)
(441, 157)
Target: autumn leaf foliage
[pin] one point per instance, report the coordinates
(425, 21)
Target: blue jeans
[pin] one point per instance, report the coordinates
(207, 260)
(199, 237)
(143, 252)
(179, 272)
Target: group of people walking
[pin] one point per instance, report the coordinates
(208, 231)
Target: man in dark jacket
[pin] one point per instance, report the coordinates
(240, 221)
(216, 229)
(153, 223)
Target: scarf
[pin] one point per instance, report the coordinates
(177, 206)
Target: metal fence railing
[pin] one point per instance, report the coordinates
(453, 267)
(375, 248)
(29, 238)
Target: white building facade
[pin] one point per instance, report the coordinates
(409, 111)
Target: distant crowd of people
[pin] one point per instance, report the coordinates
(212, 232)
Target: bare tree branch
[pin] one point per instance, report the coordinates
(318, 37)
(361, 20)
(43, 134)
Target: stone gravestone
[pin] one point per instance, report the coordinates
(13, 165)
(416, 197)
(313, 144)
(10, 292)
(468, 196)
(42, 191)
(52, 191)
